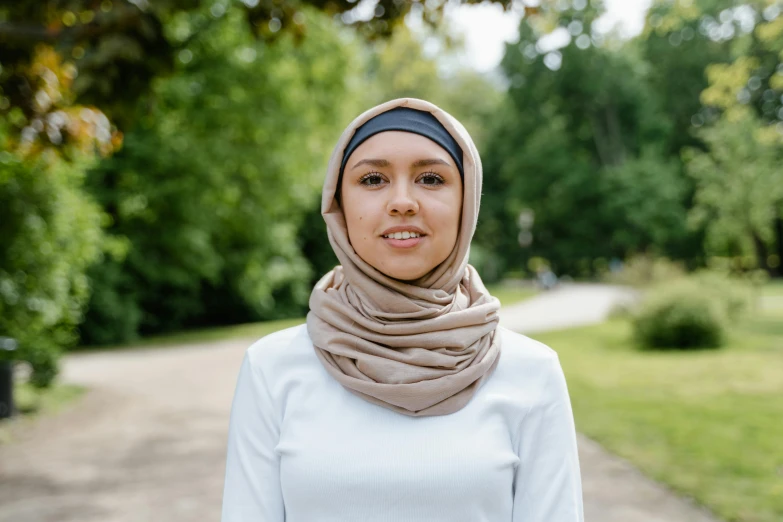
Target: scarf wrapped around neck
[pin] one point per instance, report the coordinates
(420, 348)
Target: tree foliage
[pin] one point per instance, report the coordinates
(738, 177)
(51, 233)
(51, 230)
(739, 186)
(120, 46)
(580, 143)
(210, 188)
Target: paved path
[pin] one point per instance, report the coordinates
(147, 443)
(564, 307)
(771, 302)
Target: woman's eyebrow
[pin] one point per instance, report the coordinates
(372, 162)
(417, 163)
(431, 161)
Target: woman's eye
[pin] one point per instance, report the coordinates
(371, 179)
(431, 178)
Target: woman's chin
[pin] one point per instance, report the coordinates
(406, 268)
(406, 276)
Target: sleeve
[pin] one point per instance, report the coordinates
(547, 482)
(251, 490)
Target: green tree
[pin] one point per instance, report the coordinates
(739, 186)
(398, 67)
(121, 46)
(50, 230)
(210, 189)
(737, 196)
(680, 39)
(580, 143)
(51, 233)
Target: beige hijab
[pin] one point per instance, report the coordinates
(419, 348)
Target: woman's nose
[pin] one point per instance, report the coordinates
(402, 200)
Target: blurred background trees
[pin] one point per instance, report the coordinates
(213, 180)
(161, 161)
(609, 127)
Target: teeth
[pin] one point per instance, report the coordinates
(402, 235)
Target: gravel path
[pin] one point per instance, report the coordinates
(147, 443)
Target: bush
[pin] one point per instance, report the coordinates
(732, 294)
(646, 270)
(51, 233)
(680, 316)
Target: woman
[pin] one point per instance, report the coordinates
(401, 399)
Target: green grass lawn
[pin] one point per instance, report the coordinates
(31, 400)
(707, 423)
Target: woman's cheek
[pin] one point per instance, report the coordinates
(446, 216)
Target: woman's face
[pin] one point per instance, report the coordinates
(401, 196)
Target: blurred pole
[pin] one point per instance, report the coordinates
(7, 346)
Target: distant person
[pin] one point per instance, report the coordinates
(615, 265)
(401, 399)
(546, 278)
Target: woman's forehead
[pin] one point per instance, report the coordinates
(399, 145)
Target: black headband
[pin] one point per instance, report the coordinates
(408, 120)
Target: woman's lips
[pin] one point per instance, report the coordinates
(403, 243)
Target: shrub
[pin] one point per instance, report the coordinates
(732, 294)
(51, 233)
(680, 315)
(646, 270)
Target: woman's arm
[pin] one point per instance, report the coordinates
(252, 485)
(547, 484)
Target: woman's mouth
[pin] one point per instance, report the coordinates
(404, 239)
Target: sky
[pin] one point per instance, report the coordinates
(487, 28)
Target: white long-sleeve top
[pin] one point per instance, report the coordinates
(301, 448)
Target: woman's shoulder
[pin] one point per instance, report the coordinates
(526, 368)
(280, 347)
(522, 349)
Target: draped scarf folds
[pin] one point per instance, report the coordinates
(422, 347)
